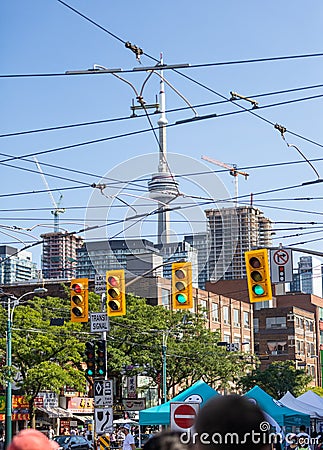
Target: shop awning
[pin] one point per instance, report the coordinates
(55, 412)
(83, 418)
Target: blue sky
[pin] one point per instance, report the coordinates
(45, 37)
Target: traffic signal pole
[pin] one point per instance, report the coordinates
(104, 333)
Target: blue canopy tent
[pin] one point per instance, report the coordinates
(160, 415)
(283, 415)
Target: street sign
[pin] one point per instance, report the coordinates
(281, 265)
(103, 420)
(183, 415)
(100, 286)
(99, 322)
(232, 347)
(103, 393)
(134, 404)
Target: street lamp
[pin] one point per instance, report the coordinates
(12, 303)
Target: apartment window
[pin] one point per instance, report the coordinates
(246, 319)
(236, 318)
(226, 338)
(276, 322)
(215, 312)
(256, 324)
(276, 347)
(226, 317)
(165, 297)
(203, 308)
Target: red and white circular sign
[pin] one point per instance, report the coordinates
(183, 415)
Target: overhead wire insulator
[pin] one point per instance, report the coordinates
(136, 50)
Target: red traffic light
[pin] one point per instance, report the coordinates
(113, 281)
(77, 288)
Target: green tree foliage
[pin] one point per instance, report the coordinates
(192, 353)
(44, 357)
(277, 379)
(316, 389)
(48, 357)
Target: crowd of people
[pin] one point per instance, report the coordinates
(224, 423)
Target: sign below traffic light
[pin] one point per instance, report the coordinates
(182, 291)
(79, 300)
(116, 295)
(258, 275)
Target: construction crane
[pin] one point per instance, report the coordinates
(57, 210)
(233, 171)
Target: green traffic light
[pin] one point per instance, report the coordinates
(181, 298)
(258, 289)
(90, 372)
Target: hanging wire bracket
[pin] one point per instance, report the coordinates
(136, 50)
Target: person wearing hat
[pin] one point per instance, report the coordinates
(31, 439)
(129, 440)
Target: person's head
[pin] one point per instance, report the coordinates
(231, 421)
(166, 440)
(302, 428)
(32, 440)
(126, 428)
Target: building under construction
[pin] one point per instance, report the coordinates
(233, 231)
(59, 254)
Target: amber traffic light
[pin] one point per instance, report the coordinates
(182, 292)
(258, 275)
(79, 300)
(116, 296)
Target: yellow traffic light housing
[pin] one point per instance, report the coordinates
(79, 290)
(182, 291)
(116, 295)
(258, 275)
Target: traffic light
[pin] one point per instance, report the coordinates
(90, 358)
(116, 296)
(258, 275)
(182, 295)
(79, 300)
(101, 359)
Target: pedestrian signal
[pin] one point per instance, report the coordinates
(116, 295)
(182, 291)
(258, 275)
(79, 300)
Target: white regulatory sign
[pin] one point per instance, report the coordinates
(103, 420)
(281, 265)
(99, 322)
(103, 393)
(100, 284)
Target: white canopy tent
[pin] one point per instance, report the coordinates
(299, 405)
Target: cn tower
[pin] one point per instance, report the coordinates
(162, 186)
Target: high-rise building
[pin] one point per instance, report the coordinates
(59, 254)
(179, 251)
(201, 243)
(137, 256)
(96, 257)
(308, 278)
(16, 267)
(233, 231)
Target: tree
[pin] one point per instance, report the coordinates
(44, 357)
(277, 379)
(136, 340)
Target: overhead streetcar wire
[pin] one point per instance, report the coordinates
(168, 111)
(137, 132)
